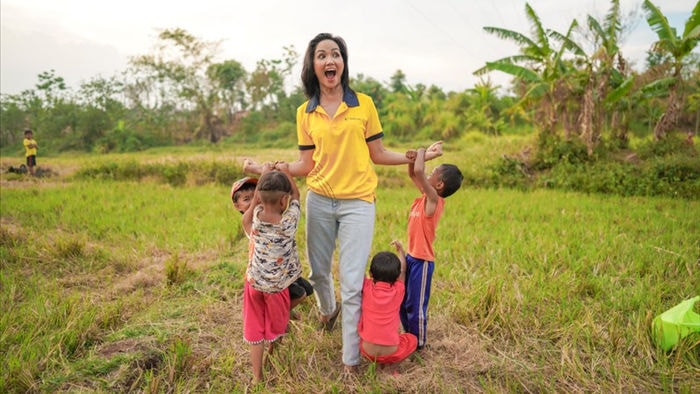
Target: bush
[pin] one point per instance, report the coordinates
(673, 144)
(553, 150)
(174, 174)
(510, 172)
(671, 177)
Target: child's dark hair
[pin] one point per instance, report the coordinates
(273, 185)
(27, 131)
(451, 178)
(385, 267)
(245, 187)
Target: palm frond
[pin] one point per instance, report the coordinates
(538, 30)
(595, 26)
(659, 23)
(692, 25)
(510, 59)
(515, 70)
(621, 91)
(613, 25)
(567, 42)
(511, 35)
(658, 87)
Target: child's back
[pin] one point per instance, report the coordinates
(382, 294)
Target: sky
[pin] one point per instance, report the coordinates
(433, 42)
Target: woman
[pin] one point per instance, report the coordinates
(340, 137)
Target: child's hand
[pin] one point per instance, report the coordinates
(434, 150)
(399, 247)
(282, 166)
(411, 154)
(267, 167)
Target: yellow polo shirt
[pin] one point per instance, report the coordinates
(342, 166)
(27, 150)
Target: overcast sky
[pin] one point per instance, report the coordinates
(438, 42)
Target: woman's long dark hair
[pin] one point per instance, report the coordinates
(308, 76)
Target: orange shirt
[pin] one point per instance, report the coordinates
(422, 228)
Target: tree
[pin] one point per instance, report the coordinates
(229, 76)
(483, 114)
(398, 82)
(539, 70)
(678, 47)
(51, 88)
(607, 81)
(181, 62)
(266, 84)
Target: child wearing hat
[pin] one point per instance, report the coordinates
(242, 196)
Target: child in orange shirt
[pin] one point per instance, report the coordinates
(423, 219)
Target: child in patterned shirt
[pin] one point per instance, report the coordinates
(242, 197)
(271, 220)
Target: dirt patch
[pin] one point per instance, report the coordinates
(129, 345)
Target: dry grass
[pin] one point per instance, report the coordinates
(106, 318)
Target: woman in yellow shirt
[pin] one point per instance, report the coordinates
(340, 138)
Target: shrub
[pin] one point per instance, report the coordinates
(175, 270)
(552, 150)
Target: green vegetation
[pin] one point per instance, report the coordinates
(130, 282)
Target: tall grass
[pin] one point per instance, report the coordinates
(135, 286)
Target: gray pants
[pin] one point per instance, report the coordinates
(351, 222)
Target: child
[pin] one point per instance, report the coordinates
(30, 147)
(271, 220)
(382, 294)
(422, 223)
(242, 195)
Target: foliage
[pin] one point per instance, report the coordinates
(553, 150)
(677, 48)
(177, 173)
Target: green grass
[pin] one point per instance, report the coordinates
(113, 286)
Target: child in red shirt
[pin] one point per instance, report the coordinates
(382, 294)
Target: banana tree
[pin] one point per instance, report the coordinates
(678, 47)
(610, 75)
(539, 70)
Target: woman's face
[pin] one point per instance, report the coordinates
(328, 64)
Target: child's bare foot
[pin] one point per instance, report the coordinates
(350, 371)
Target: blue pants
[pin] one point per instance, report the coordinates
(414, 308)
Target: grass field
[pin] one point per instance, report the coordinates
(135, 286)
